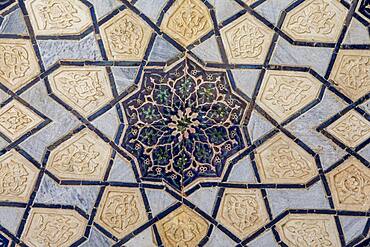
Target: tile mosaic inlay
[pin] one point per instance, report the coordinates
(363, 8)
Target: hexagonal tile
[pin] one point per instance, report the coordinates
(351, 73)
(281, 160)
(242, 211)
(54, 17)
(182, 227)
(16, 120)
(121, 210)
(315, 21)
(83, 157)
(307, 230)
(126, 36)
(351, 129)
(187, 21)
(350, 185)
(53, 227)
(246, 40)
(284, 93)
(86, 88)
(18, 63)
(18, 177)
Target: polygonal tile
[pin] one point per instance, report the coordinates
(4, 240)
(121, 210)
(242, 211)
(249, 2)
(187, 21)
(281, 160)
(351, 73)
(351, 129)
(315, 21)
(284, 93)
(126, 36)
(363, 9)
(182, 227)
(350, 185)
(53, 227)
(18, 63)
(86, 88)
(16, 120)
(83, 157)
(307, 230)
(18, 177)
(246, 40)
(54, 17)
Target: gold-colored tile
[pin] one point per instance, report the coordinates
(281, 160)
(284, 93)
(18, 63)
(83, 157)
(86, 88)
(246, 40)
(18, 177)
(126, 36)
(249, 2)
(350, 185)
(182, 227)
(55, 17)
(16, 120)
(315, 21)
(307, 230)
(121, 210)
(187, 21)
(53, 227)
(351, 129)
(242, 211)
(351, 73)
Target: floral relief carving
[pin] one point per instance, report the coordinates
(186, 21)
(182, 227)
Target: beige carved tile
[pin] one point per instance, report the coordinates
(182, 227)
(281, 160)
(187, 21)
(315, 21)
(121, 210)
(18, 177)
(126, 36)
(53, 227)
(55, 17)
(18, 63)
(351, 73)
(307, 230)
(85, 156)
(351, 129)
(16, 120)
(350, 185)
(86, 89)
(246, 40)
(242, 211)
(284, 93)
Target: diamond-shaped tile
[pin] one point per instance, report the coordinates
(187, 21)
(16, 120)
(86, 89)
(281, 160)
(83, 157)
(350, 185)
(121, 210)
(53, 227)
(315, 21)
(126, 36)
(284, 93)
(351, 129)
(242, 211)
(246, 40)
(18, 63)
(182, 227)
(351, 73)
(54, 17)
